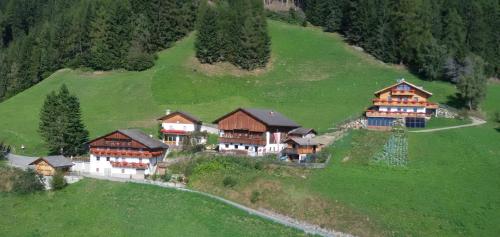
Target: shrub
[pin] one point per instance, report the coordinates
(255, 196)
(259, 165)
(139, 61)
(497, 116)
(229, 181)
(58, 182)
(166, 177)
(28, 182)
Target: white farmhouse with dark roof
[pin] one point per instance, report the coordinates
(126, 153)
(253, 132)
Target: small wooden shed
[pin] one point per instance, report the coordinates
(48, 166)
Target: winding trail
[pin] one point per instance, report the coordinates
(475, 122)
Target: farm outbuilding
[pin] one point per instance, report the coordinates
(49, 165)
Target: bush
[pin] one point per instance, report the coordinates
(166, 177)
(229, 181)
(58, 182)
(497, 117)
(255, 196)
(28, 182)
(139, 61)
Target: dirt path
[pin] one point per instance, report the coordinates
(475, 122)
(262, 213)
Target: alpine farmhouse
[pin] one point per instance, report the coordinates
(253, 132)
(178, 126)
(402, 101)
(126, 153)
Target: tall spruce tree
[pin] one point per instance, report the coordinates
(208, 37)
(60, 124)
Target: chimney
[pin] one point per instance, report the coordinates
(167, 112)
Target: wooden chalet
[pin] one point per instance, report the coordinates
(299, 148)
(48, 166)
(178, 126)
(253, 132)
(302, 133)
(401, 101)
(127, 153)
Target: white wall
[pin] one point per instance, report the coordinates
(105, 167)
(209, 129)
(179, 126)
(395, 109)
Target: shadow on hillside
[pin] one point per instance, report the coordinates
(455, 101)
(498, 129)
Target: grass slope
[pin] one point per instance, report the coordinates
(100, 208)
(315, 79)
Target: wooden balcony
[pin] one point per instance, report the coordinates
(432, 106)
(402, 92)
(243, 140)
(398, 114)
(409, 103)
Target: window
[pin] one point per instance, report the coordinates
(123, 171)
(415, 98)
(96, 169)
(97, 158)
(246, 147)
(399, 109)
(235, 146)
(389, 98)
(107, 158)
(415, 110)
(140, 160)
(415, 122)
(227, 145)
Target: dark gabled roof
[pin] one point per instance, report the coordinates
(402, 81)
(144, 139)
(266, 116)
(138, 136)
(302, 141)
(184, 114)
(55, 161)
(302, 131)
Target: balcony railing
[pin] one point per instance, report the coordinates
(412, 103)
(402, 92)
(243, 140)
(394, 114)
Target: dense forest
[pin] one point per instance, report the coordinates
(39, 37)
(233, 31)
(436, 38)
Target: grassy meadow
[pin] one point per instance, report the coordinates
(102, 208)
(314, 78)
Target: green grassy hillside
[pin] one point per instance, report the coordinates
(101, 208)
(314, 78)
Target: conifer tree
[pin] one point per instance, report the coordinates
(207, 44)
(101, 58)
(453, 35)
(60, 124)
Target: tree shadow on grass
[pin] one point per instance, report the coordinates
(455, 101)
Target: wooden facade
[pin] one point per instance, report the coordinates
(403, 102)
(254, 131)
(242, 121)
(46, 169)
(119, 144)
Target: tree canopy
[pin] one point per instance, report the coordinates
(39, 37)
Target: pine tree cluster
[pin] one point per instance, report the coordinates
(39, 37)
(233, 31)
(422, 34)
(61, 124)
